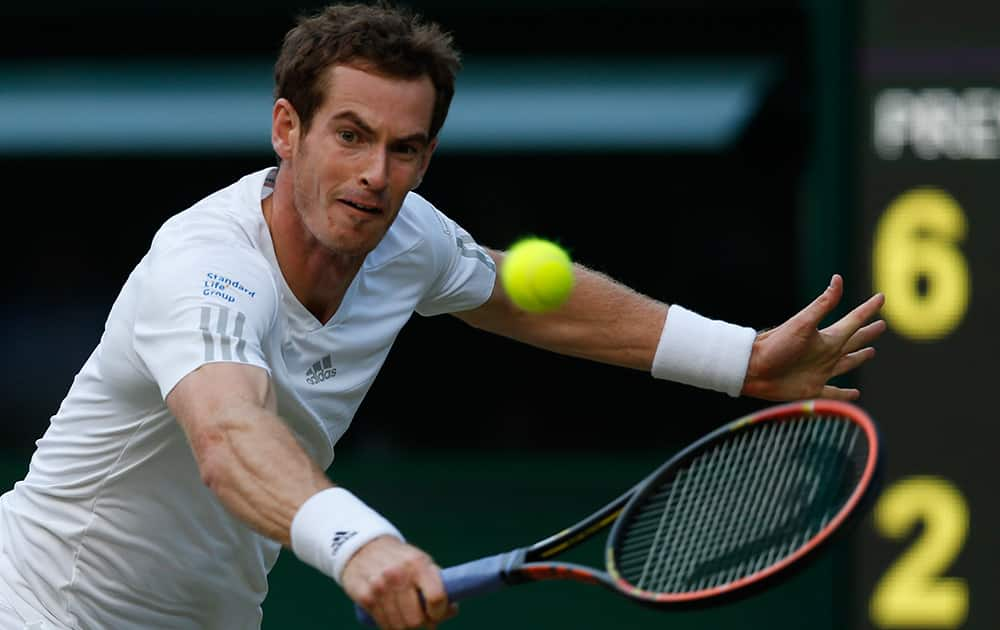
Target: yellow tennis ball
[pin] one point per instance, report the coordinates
(537, 275)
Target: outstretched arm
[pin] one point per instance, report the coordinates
(256, 467)
(603, 320)
(608, 322)
(245, 453)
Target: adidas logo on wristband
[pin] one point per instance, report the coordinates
(331, 526)
(339, 538)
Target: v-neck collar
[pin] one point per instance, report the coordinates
(299, 316)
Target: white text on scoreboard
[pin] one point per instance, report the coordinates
(937, 123)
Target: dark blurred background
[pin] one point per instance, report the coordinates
(710, 154)
(704, 214)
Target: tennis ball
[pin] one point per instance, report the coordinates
(537, 275)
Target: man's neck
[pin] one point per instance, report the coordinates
(318, 278)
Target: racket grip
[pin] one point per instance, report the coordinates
(461, 581)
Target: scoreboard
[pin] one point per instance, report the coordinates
(929, 234)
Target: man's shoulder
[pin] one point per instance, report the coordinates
(229, 217)
(419, 211)
(419, 227)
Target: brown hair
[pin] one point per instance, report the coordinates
(395, 41)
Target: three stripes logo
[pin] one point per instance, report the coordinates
(320, 371)
(339, 538)
(468, 248)
(222, 334)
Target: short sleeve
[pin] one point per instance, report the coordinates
(466, 273)
(202, 305)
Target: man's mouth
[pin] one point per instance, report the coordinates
(362, 207)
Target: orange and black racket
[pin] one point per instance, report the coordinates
(736, 510)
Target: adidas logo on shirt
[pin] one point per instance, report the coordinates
(320, 371)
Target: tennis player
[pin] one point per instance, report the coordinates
(194, 441)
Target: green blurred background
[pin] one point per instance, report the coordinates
(503, 500)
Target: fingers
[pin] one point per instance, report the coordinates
(450, 611)
(407, 608)
(389, 613)
(398, 584)
(393, 613)
(400, 611)
(435, 599)
(865, 336)
(849, 324)
(422, 600)
(839, 393)
(412, 607)
(850, 361)
(823, 305)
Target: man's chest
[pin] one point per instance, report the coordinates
(321, 376)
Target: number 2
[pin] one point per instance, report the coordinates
(913, 593)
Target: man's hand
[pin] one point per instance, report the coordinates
(796, 360)
(398, 584)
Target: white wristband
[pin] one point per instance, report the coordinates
(703, 352)
(331, 526)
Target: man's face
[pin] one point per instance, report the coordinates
(366, 148)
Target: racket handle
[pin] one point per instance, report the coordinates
(461, 581)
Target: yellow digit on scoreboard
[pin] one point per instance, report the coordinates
(918, 265)
(914, 592)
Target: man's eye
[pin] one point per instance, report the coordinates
(347, 135)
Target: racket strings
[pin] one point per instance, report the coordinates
(741, 505)
(764, 514)
(751, 500)
(651, 544)
(695, 535)
(655, 545)
(780, 534)
(763, 541)
(705, 538)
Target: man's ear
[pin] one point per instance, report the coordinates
(426, 163)
(286, 129)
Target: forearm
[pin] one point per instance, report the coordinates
(254, 464)
(258, 470)
(603, 320)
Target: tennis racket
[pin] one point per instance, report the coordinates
(736, 510)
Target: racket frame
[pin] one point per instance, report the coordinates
(854, 506)
(531, 563)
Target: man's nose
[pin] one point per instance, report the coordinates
(376, 172)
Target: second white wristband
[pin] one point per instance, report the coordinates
(706, 353)
(331, 526)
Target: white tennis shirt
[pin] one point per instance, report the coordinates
(112, 528)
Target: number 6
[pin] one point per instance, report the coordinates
(916, 240)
